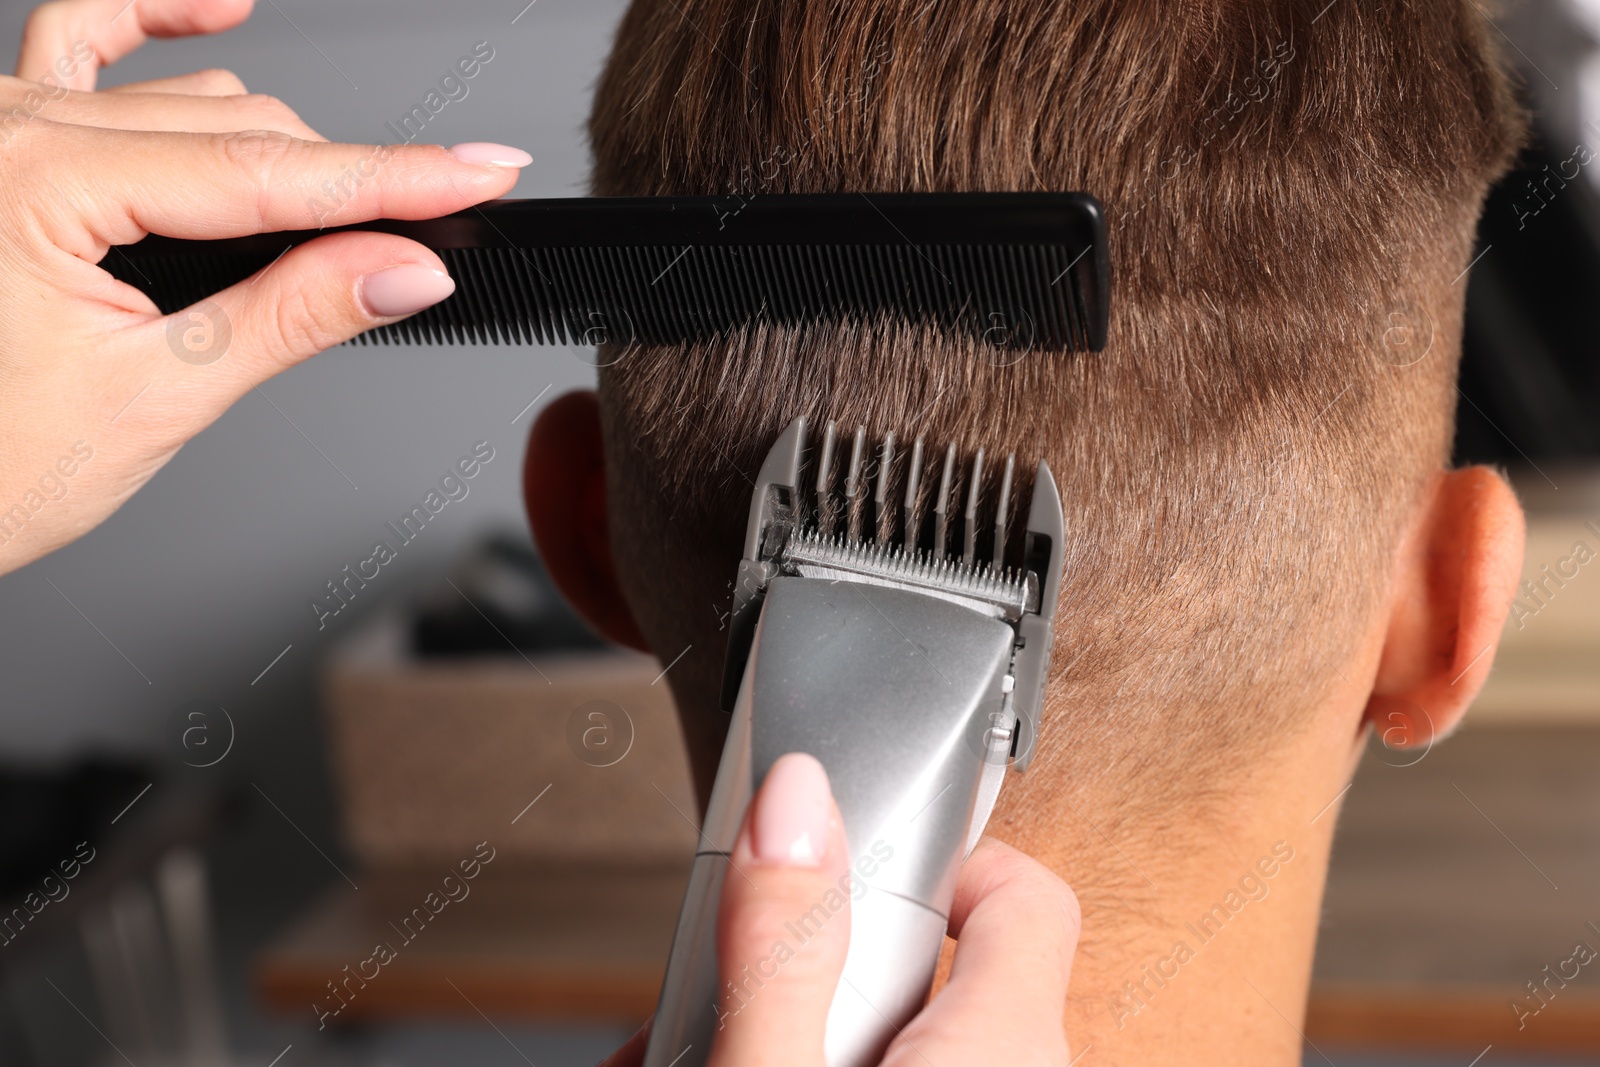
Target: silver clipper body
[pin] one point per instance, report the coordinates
(876, 636)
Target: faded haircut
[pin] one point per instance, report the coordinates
(1291, 191)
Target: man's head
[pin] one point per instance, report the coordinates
(1253, 471)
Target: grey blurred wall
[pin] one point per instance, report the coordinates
(192, 589)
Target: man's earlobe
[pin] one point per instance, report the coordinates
(564, 491)
(1453, 585)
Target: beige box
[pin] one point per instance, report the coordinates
(571, 758)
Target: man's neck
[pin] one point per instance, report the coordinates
(1199, 940)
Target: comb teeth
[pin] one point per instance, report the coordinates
(1015, 270)
(883, 504)
(589, 296)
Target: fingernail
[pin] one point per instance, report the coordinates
(791, 823)
(489, 154)
(404, 289)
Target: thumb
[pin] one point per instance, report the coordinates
(784, 925)
(313, 297)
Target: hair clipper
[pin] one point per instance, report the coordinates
(903, 640)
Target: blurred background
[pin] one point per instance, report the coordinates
(451, 766)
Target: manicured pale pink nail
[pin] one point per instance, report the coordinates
(489, 154)
(793, 812)
(404, 289)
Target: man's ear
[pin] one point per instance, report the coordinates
(564, 490)
(1454, 582)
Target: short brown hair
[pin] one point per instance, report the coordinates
(1291, 194)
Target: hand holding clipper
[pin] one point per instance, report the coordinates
(1015, 923)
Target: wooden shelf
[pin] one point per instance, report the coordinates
(1455, 881)
(1463, 1018)
(560, 944)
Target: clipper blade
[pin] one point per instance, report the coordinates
(1004, 594)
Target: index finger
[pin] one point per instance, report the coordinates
(66, 42)
(206, 186)
(1011, 911)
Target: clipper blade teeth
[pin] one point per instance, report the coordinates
(1004, 594)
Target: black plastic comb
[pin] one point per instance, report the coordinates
(1023, 270)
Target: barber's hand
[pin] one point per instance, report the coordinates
(1015, 924)
(98, 389)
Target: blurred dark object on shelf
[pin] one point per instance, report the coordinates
(45, 812)
(1530, 379)
(1530, 382)
(104, 862)
(73, 836)
(499, 600)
